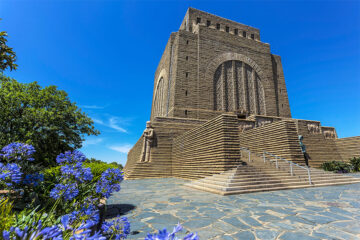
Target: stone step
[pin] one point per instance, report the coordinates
(221, 191)
(230, 181)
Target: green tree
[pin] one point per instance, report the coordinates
(43, 117)
(7, 55)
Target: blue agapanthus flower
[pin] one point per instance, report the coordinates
(70, 157)
(33, 179)
(109, 182)
(164, 235)
(18, 152)
(54, 232)
(77, 171)
(10, 173)
(119, 228)
(46, 233)
(67, 191)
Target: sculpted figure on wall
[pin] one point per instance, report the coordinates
(313, 128)
(148, 142)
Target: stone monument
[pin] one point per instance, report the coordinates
(217, 88)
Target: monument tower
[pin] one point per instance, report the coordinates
(217, 89)
(212, 66)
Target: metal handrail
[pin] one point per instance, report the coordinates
(291, 165)
(277, 164)
(245, 149)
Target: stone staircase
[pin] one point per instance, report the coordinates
(257, 176)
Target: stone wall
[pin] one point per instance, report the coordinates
(210, 148)
(279, 138)
(348, 147)
(195, 17)
(320, 148)
(160, 165)
(163, 96)
(133, 156)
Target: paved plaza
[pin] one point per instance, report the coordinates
(312, 213)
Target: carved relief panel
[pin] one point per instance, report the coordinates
(313, 128)
(329, 132)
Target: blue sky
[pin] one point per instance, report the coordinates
(104, 55)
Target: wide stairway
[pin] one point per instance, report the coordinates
(267, 172)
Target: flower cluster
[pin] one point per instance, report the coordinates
(109, 182)
(33, 179)
(70, 157)
(77, 171)
(164, 235)
(10, 174)
(67, 191)
(78, 225)
(55, 232)
(18, 151)
(119, 228)
(73, 174)
(39, 232)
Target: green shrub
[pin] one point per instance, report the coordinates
(97, 168)
(337, 166)
(50, 174)
(7, 217)
(355, 162)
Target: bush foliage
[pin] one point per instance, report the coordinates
(6, 215)
(42, 117)
(355, 162)
(342, 167)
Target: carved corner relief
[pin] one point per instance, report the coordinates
(329, 133)
(263, 121)
(244, 126)
(313, 128)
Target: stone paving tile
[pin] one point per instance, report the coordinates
(311, 213)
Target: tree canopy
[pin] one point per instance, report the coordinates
(43, 117)
(7, 55)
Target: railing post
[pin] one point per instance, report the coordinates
(249, 156)
(308, 169)
(291, 169)
(264, 157)
(276, 159)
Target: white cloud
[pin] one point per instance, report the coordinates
(98, 121)
(112, 122)
(125, 148)
(92, 107)
(92, 141)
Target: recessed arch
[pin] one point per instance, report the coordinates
(238, 84)
(160, 95)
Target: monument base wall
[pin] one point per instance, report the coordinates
(348, 147)
(208, 149)
(279, 138)
(133, 157)
(319, 147)
(160, 165)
